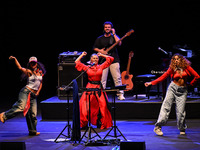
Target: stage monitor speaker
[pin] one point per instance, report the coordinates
(12, 146)
(66, 73)
(132, 145)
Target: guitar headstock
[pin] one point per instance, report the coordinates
(131, 53)
(129, 32)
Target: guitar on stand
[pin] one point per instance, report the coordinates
(126, 77)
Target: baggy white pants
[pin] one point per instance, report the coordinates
(116, 75)
(179, 95)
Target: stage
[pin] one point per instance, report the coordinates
(55, 108)
(135, 119)
(134, 130)
(45, 29)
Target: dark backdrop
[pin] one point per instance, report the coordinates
(44, 29)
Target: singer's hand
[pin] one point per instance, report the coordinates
(11, 57)
(84, 53)
(99, 54)
(102, 55)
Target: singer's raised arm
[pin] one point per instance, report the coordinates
(81, 56)
(108, 62)
(79, 65)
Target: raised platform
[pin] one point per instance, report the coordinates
(131, 108)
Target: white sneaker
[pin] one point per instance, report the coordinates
(182, 132)
(158, 131)
(121, 97)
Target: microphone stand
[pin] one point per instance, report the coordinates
(67, 88)
(165, 52)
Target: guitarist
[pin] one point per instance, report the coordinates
(101, 44)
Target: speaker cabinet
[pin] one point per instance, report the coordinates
(132, 145)
(12, 145)
(66, 73)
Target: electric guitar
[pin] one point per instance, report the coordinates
(112, 46)
(126, 77)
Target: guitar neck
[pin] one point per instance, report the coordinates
(112, 46)
(128, 66)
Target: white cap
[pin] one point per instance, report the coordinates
(33, 58)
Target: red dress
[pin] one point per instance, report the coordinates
(98, 102)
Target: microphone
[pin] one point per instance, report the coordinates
(93, 64)
(183, 50)
(162, 50)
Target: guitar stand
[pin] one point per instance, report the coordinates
(114, 127)
(89, 128)
(68, 125)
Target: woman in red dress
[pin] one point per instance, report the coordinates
(98, 100)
